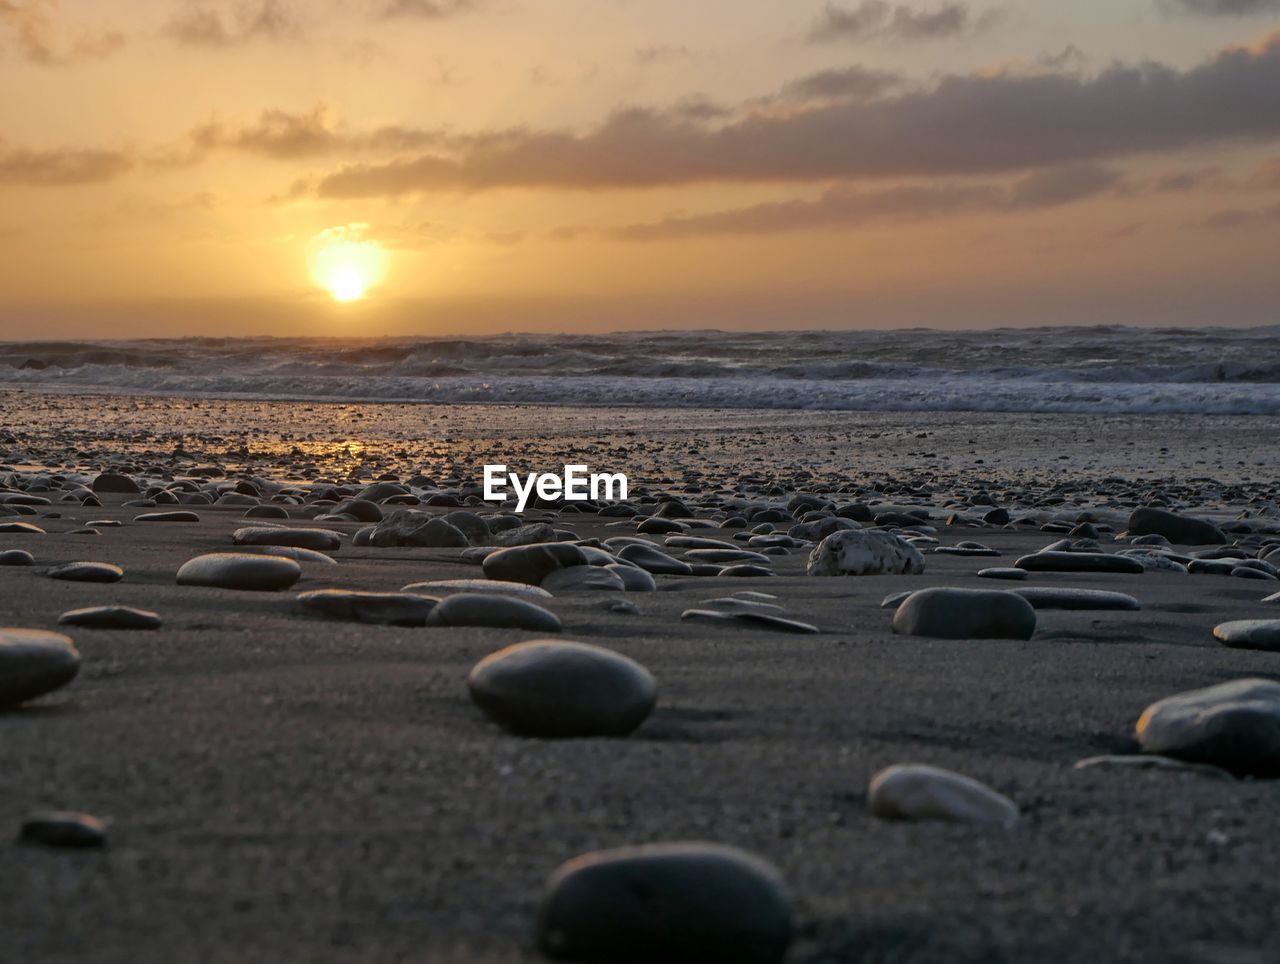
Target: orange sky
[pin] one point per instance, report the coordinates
(186, 167)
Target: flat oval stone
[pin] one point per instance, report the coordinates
(17, 557)
(583, 579)
(267, 512)
(1079, 562)
(111, 617)
(21, 529)
(1058, 597)
(736, 604)
(559, 689)
(317, 539)
(748, 617)
(655, 561)
(60, 828)
(1235, 726)
(1249, 634)
(237, 571)
(634, 579)
(447, 587)
(532, 564)
(1273, 599)
(965, 614)
(494, 612)
(726, 556)
(377, 608)
(295, 553)
(34, 662)
(178, 515)
(87, 572)
(1164, 764)
(745, 570)
(1180, 530)
(683, 903)
(860, 552)
(919, 792)
(1010, 573)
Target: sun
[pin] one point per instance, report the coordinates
(346, 263)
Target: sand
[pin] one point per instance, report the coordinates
(281, 787)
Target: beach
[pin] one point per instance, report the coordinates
(282, 786)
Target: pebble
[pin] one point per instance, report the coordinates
(34, 662)
(736, 604)
(60, 828)
(288, 552)
(21, 529)
(1179, 530)
(945, 613)
(726, 556)
(316, 539)
(680, 903)
(748, 617)
(1235, 726)
(87, 572)
(494, 612)
(1009, 573)
(410, 527)
(634, 579)
(1055, 597)
(175, 516)
(240, 571)
(584, 579)
(859, 552)
(1250, 634)
(16, 557)
(115, 483)
(1079, 562)
(447, 587)
(1150, 762)
(377, 608)
(532, 564)
(655, 561)
(111, 617)
(920, 792)
(549, 688)
(745, 570)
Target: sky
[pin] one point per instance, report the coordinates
(393, 167)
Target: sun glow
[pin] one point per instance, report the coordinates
(346, 263)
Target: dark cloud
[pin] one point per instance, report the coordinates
(40, 40)
(856, 83)
(662, 54)
(963, 125)
(205, 24)
(881, 19)
(1223, 8)
(426, 9)
(1062, 185)
(60, 168)
(1241, 217)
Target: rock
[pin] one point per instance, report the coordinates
(965, 614)
(1273, 599)
(1235, 726)
(16, 557)
(655, 561)
(288, 552)
(634, 579)
(744, 570)
(240, 571)
(559, 689)
(725, 557)
(493, 611)
(965, 551)
(530, 535)
(532, 564)
(748, 618)
(115, 483)
(735, 604)
(1078, 562)
(87, 572)
(1009, 573)
(584, 579)
(267, 512)
(1145, 762)
(1250, 634)
(684, 903)
(411, 527)
(1179, 530)
(20, 529)
(59, 828)
(819, 530)
(861, 552)
(319, 540)
(377, 608)
(111, 617)
(34, 662)
(447, 587)
(919, 792)
(1056, 597)
(362, 510)
(180, 515)
(655, 526)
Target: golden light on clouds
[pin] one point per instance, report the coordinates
(345, 262)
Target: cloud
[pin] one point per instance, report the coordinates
(963, 125)
(662, 54)
(1267, 176)
(1241, 217)
(1222, 8)
(426, 9)
(1062, 185)
(61, 167)
(875, 19)
(856, 83)
(204, 24)
(40, 40)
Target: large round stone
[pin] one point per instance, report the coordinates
(34, 662)
(1235, 726)
(494, 612)
(684, 903)
(116, 483)
(654, 560)
(559, 689)
(919, 792)
(859, 552)
(1179, 530)
(17, 557)
(965, 614)
(532, 564)
(1249, 634)
(237, 571)
(378, 608)
(1079, 562)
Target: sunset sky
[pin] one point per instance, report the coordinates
(189, 167)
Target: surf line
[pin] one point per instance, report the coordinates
(576, 484)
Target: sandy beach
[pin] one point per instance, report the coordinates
(281, 786)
